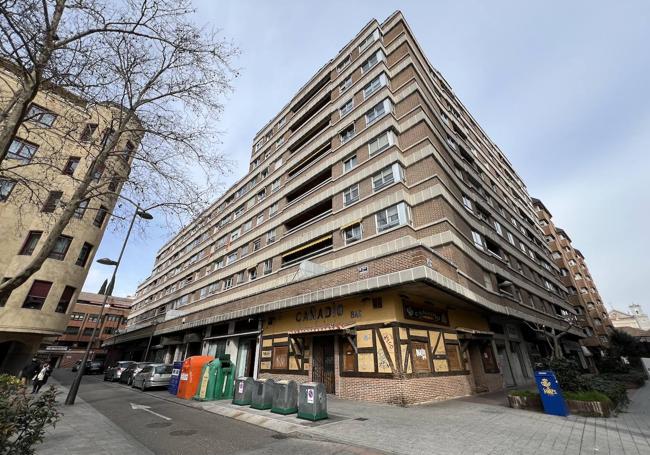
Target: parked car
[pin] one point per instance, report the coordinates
(92, 366)
(113, 373)
(129, 373)
(154, 375)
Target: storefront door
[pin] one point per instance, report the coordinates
(504, 365)
(323, 369)
(246, 357)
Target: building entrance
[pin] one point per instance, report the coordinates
(323, 362)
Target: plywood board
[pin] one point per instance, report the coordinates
(418, 333)
(440, 366)
(366, 362)
(364, 339)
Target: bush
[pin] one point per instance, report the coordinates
(523, 393)
(568, 375)
(589, 395)
(634, 377)
(23, 417)
(614, 390)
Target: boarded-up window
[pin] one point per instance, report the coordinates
(489, 361)
(454, 357)
(420, 354)
(280, 360)
(349, 356)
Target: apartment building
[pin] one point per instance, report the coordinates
(83, 318)
(592, 315)
(381, 243)
(52, 150)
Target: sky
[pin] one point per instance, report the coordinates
(561, 87)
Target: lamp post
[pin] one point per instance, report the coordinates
(74, 388)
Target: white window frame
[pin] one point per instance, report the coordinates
(354, 238)
(374, 85)
(268, 266)
(348, 194)
(378, 111)
(343, 64)
(372, 61)
(497, 227)
(273, 209)
(234, 235)
(377, 144)
(270, 236)
(395, 215)
(345, 85)
(387, 176)
(346, 108)
(478, 240)
(351, 127)
(368, 40)
(468, 204)
(354, 162)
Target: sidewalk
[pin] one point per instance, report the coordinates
(472, 425)
(82, 431)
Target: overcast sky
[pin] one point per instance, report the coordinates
(561, 87)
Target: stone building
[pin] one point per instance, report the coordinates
(52, 150)
(83, 317)
(635, 317)
(380, 243)
(592, 315)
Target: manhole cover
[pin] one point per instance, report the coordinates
(182, 432)
(361, 419)
(159, 424)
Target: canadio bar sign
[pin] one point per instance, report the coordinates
(419, 313)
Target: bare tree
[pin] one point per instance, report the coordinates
(159, 99)
(57, 43)
(553, 335)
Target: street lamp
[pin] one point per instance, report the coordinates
(74, 388)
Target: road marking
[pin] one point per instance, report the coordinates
(148, 409)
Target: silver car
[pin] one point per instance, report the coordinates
(154, 375)
(113, 373)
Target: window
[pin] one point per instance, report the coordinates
(343, 64)
(478, 240)
(77, 316)
(487, 356)
(71, 165)
(347, 134)
(381, 142)
(374, 85)
(88, 131)
(280, 359)
(60, 247)
(349, 163)
(21, 151)
(257, 243)
(372, 61)
(386, 176)
(37, 295)
(247, 226)
(30, 243)
(351, 194)
(84, 254)
(278, 162)
(234, 235)
(228, 282)
(268, 266)
(71, 330)
(452, 143)
(273, 209)
(420, 356)
(98, 171)
(252, 274)
(101, 216)
(81, 209)
(454, 357)
(40, 115)
(347, 82)
(497, 227)
(346, 108)
(270, 236)
(275, 186)
(391, 217)
(279, 142)
(377, 111)
(369, 40)
(467, 202)
(52, 201)
(88, 331)
(352, 233)
(281, 123)
(232, 257)
(241, 277)
(64, 301)
(6, 187)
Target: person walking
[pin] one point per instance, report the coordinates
(29, 371)
(41, 378)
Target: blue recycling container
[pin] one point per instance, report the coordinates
(175, 379)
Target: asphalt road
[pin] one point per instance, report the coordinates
(190, 431)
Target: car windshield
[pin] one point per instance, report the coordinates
(146, 369)
(164, 369)
(123, 364)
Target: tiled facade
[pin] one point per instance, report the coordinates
(592, 316)
(373, 184)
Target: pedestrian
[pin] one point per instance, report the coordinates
(29, 371)
(41, 378)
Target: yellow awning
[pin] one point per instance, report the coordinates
(307, 245)
(345, 226)
(325, 328)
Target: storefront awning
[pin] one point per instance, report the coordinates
(307, 245)
(231, 335)
(325, 328)
(345, 226)
(472, 334)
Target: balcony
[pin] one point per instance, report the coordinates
(309, 186)
(310, 215)
(307, 250)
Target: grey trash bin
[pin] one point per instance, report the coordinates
(243, 391)
(285, 397)
(312, 401)
(262, 394)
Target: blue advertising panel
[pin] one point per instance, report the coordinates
(175, 379)
(551, 394)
